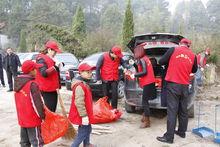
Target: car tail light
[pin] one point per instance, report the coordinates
(67, 75)
(158, 82)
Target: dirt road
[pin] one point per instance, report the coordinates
(126, 132)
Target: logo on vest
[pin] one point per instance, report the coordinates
(185, 57)
(24, 93)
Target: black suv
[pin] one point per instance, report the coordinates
(96, 88)
(155, 44)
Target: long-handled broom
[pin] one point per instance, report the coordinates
(71, 132)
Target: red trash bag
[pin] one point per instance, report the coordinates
(103, 112)
(54, 126)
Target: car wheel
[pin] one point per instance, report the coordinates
(191, 112)
(121, 89)
(129, 108)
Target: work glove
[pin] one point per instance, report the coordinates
(19, 68)
(132, 76)
(56, 68)
(99, 82)
(59, 64)
(85, 120)
(207, 65)
(125, 70)
(131, 62)
(202, 69)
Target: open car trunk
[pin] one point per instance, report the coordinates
(155, 45)
(154, 37)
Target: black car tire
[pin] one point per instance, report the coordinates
(121, 89)
(129, 108)
(191, 113)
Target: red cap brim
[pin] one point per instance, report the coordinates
(58, 50)
(120, 55)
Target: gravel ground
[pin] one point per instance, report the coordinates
(126, 131)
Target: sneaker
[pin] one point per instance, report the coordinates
(9, 90)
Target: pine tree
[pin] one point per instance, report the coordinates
(22, 43)
(64, 37)
(79, 25)
(128, 26)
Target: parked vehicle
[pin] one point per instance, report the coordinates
(22, 56)
(97, 87)
(30, 56)
(155, 44)
(69, 60)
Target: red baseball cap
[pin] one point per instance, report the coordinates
(186, 41)
(52, 45)
(85, 67)
(29, 65)
(117, 51)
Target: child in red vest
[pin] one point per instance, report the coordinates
(29, 105)
(81, 110)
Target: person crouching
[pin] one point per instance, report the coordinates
(81, 110)
(29, 106)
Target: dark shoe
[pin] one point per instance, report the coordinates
(183, 135)
(145, 123)
(3, 86)
(164, 139)
(9, 90)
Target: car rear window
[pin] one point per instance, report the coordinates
(155, 51)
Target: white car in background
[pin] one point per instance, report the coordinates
(68, 59)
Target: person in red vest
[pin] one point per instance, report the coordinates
(146, 81)
(201, 61)
(181, 63)
(48, 77)
(29, 106)
(81, 109)
(107, 73)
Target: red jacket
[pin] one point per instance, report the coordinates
(109, 69)
(74, 116)
(51, 82)
(27, 116)
(149, 77)
(180, 65)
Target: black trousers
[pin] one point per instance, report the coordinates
(10, 74)
(50, 100)
(177, 95)
(31, 136)
(149, 93)
(2, 77)
(110, 89)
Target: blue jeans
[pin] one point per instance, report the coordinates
(83, 135)
(199, 77)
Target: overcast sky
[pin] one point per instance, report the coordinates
(173, 3)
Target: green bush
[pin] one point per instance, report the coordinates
(213, 58)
